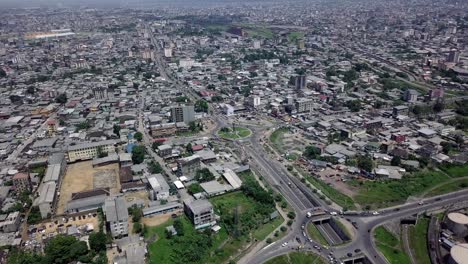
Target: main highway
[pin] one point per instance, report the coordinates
(302, 199)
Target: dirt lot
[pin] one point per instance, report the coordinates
(82, 176)
(59, 224)
(158, 219)
(334, 177)
(140, 195)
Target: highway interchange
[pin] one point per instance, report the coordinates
(302, 199)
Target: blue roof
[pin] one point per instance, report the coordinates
(129, 147)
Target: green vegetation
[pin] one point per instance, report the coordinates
(418, 240)
(455, 170)
(276, 138)
(266, 229)
(154, 167)
(295, 36)
(194, 188)
(191, 247)
(390, 192)
(138, 154)
(311, 152)
(297, 258)
(341, 199)
(61, 249)
(138, 136)
(251, 208)
(34, 216)
(390, 246)
(453, 186)
(259, 32)
(204, 175)
(237, 133)
(315, 234)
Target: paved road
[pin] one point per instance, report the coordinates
(302, 199)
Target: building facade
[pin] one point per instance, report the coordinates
(89, 150)
(115, 209)
(200, 212)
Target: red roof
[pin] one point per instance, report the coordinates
(197, 147)
(160, 140)
(20, 175)
(51, 122)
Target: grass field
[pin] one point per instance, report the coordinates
(334, 195)
(294, 36)
(456, 171)
(385, 193)
(418, 240)
(263, 232)
(454, 186)
(390, 246)
(276, 138)
(297, 258)
(315, 234)
(163, 250)
(238, 133)
(260, 32)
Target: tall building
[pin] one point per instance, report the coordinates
(188, 166)
(21, 182)
(411, 95)
(115, 209)
(454, 56)
(184, 113)
(256, 44)
(168, 52)
(304, 105)
(200, 212)
(300, 82)
(100, 93)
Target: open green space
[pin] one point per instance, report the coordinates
(456, 185)
(259, 32)
(315, 234)
(236, 133)
(390, 246)
(384, 193)
(455, 170)
(276, 138)
(262, 233)
(341, 199)
(295, 36)
(297, 258)
(418, 240)
(169, 250)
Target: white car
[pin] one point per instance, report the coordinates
(375, 213)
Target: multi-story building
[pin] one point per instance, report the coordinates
(89, 150)
(21, 182)
(188, 166)
(453, 56)
(183, 113)
(304, 105)
(115, 209)
(46, 199)
(168, 52)
(200, 212)
(253, 101)
(51, 127)
(300, 82)
(411, 95)
(11, 223)
(159, 187)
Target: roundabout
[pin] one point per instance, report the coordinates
(234, 133)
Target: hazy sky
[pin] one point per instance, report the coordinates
(112, 3)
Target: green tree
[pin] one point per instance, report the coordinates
(101, 153)
(396, 161)
(201, 106)
(34, 216)
(116, 129)
(188, 148)
(179, 227)
(138, 136)
(30, 90)
(438, 106)
(354, 105)
(61, 98)
(155, 167)
(291, 215)
(138, 154)
(204, 175)
(97, 241)
(365, 163)
(311, 152)
(194, 188)
(137, 227)
(64, 249)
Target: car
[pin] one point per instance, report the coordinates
(438, 199)
(303, 226)
(375, 213)
(349, 254)
(304, 234)
(357, 250)
(421, 203)
(284, 244)
(298, 240)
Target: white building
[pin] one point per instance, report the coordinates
(115, 209)
(168, 52)
(89, 150)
